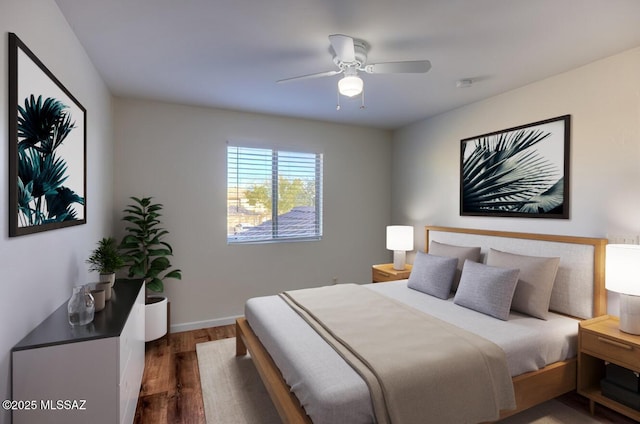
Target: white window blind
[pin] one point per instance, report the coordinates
(273, 195)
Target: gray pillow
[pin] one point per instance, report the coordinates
(535, 282)
(487, 289)
(432, 274)
(462, 253)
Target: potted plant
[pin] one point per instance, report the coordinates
(106, 259)
(147, 255)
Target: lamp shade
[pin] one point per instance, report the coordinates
(400, 237)
(622, 273)
(350, 85)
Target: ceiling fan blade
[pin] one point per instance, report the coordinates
(309, 76)
(408, 67)
(343, 47)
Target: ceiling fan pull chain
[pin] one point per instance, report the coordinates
(362, 107)
(338, 96)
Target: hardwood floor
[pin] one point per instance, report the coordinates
(170, 391)
(602, 413)
(171, 394)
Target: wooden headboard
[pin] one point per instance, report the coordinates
(579, 289)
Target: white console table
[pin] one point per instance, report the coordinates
(86, 374)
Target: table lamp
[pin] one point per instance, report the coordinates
(399, 239)
(622, 275)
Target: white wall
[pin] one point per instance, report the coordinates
(603, 99)
(178, 155)
(39, 270)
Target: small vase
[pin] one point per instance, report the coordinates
(98, 297)
(81, 306)
(106, 286)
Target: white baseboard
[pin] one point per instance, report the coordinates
(176, 328)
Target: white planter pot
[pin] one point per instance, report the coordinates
(108, 278)
(155, 319)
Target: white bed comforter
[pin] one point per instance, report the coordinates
(331, 391)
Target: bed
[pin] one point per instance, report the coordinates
(578, 293)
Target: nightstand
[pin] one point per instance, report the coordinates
(600, 340)
(385, 272)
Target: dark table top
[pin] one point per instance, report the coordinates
(109, 322)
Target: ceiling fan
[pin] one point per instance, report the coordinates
(350, 56)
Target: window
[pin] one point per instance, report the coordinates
(273, 195)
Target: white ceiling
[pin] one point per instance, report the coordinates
(229, 53)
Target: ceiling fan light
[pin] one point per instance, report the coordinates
(350, 85)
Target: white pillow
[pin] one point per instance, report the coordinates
(432, 274)
(535, 282)
(486, 289)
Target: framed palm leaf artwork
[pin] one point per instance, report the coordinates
(47, 147)
(517, 172)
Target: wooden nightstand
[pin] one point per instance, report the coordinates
(600, 340)
(385, 272)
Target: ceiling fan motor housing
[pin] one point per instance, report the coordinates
(361, 49)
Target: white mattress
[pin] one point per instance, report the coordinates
(331, 391)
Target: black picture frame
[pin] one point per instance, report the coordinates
(47, 147)
(518, 172)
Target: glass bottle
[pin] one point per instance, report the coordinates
(81, 306)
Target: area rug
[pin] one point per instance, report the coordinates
(231, 387)
(234, 394)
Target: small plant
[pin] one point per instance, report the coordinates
(144, 250)
(106, 258)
